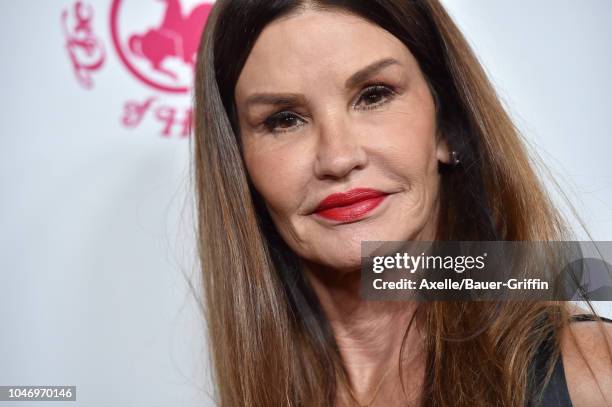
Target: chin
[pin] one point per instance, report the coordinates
(345, 265)
(337, 257)
(389, 231)
(343, 258)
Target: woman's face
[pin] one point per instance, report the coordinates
(330, 103)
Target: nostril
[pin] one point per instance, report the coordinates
(339, 148)
(339, 165)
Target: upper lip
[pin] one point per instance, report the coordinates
(349, 197)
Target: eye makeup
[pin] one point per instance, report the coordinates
(376, 94)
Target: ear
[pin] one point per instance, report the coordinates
(442, 150)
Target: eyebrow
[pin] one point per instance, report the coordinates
(291, 99)
(363, 74)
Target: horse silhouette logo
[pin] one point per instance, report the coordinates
(160, 49)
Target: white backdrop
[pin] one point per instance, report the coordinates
(95, 226)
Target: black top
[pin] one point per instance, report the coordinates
(556, 392)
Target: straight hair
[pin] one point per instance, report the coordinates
(271, 344)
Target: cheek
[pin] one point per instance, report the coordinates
(278, 175)
(406, 141)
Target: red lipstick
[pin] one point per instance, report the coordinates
(351, 205)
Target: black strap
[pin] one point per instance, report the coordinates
(556, 392)
(587, 317)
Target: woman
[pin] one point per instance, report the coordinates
(322, 124)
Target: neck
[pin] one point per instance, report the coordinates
(368, 333)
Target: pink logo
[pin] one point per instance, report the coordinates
(157, 42)
(84, 48)
(159, 53)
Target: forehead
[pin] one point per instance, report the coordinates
(315, 45)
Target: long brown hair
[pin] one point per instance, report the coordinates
(270, 342)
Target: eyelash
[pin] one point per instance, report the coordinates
(273, 121)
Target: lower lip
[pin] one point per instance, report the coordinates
(353, 212)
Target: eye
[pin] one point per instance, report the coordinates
(282, 122)
(375, 96)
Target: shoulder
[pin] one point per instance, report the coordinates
(586, 349)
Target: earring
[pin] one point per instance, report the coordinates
(454, 158)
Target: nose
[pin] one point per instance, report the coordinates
(339, 148)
